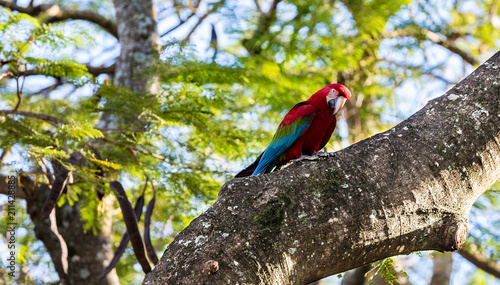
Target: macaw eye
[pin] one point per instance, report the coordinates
(333, 94)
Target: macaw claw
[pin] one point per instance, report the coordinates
(305, 157)
(317, 156)
(326, 154)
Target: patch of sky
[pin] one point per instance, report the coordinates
(17, 161)
(346, 26)
(286, 11)
(280, 57)
(343, 132)
(321, 29)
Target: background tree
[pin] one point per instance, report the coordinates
(194, 124)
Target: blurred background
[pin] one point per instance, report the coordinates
(213, 81)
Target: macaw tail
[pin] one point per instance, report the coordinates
(250, 169)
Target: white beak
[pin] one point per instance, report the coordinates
(337, 103)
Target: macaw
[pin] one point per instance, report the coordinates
(304, 131)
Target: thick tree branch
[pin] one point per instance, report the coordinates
(448, 43)
(451, 46)
(59, 14)
(56, 14)
(44, 117)
(98, 70)
(471, 253)
(94, 70)
(407, 189)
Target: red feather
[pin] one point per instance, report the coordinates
(314, 138)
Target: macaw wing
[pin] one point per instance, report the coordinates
(291, 128)
(328, 134)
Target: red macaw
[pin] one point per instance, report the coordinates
(304, 131)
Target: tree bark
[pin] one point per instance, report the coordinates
(138, 37)
(407, 189)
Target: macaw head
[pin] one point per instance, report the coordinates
(332, 96)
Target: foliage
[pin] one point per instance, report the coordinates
(23, 49)
(386, 269)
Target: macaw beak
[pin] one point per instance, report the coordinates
(336, 104)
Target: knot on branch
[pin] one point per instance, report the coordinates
(455, 235)
(210, 267)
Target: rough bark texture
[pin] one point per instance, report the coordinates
(138, 37)
(409, 188)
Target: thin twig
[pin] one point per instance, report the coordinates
(161, 238)
(58, 14)
(258, 6)
(202, 18)
(19, 95)
(130, 219)
(494, 18)
(24, 78)
(121, 130)
(50, 88)
(436, 39)
(94, 70)
(178, 25)
(273, 7)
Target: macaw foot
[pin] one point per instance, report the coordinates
(316, 156)
(305, 157)
(325, 154)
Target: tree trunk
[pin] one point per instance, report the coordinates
(138, 38)
(88, 254)
(407, 189)
(442, 268)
